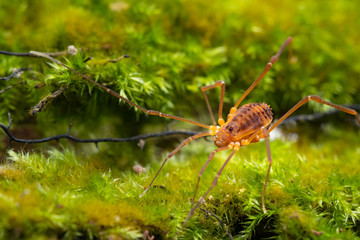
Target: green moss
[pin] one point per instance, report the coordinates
(79, 197)
(175, 47)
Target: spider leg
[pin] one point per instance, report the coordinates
(318, 100)
(186, 141)
(263, 73)
(205, 88)
(200, 201)
(115, 94)
(211, 156)
(266, 136)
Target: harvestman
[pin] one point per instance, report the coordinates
(244, 125)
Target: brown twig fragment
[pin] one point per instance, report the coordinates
(71, 51)
(117, 59)
(11, 86)
(43, 102)
(222, 223)
(12, 138)
(15, 74)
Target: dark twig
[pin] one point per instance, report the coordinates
(118, 59)
(43, 102)
(12, 138)
(6, 129)
(223, 224)
(15, 74)
(27, 54)
(88, 59)
(95, 140)
(70, 125)
(10, 120)
(11, 86)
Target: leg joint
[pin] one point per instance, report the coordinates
(219, 83)
(273, 59)
(313, 97)
(215, 180)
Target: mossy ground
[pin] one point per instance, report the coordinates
(312, 194)
(67, 190)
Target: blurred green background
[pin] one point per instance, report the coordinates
(175, 47)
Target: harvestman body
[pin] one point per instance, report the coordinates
(244, 125)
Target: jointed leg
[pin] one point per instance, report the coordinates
(236, 148)
(319, 100)
(263, 73)
(186, 141)
(211, 156)
(266, 136)
(205, 88)
(115, 94)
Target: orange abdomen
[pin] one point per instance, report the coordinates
(244, 121)
(248, 118)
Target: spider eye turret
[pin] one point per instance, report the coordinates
(222, 138)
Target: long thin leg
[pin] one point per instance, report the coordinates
(186, 141)
(266, 136)
(205, 88)
(150, 112)
(211, 156)
(236, 148)
(319, 100)
(263, 73)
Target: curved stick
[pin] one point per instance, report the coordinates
(223, 224)
(150, 112)
(29, 54)
(12, 138)
(15, 74)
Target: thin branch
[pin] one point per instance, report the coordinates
(27, 54)
(70, 125)
(11, 86)
(12, 138)
(115, 94)
(15, 74)
(117, 59)
(44, 55)
(223, 224)
(43, 102)
(10, 120)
